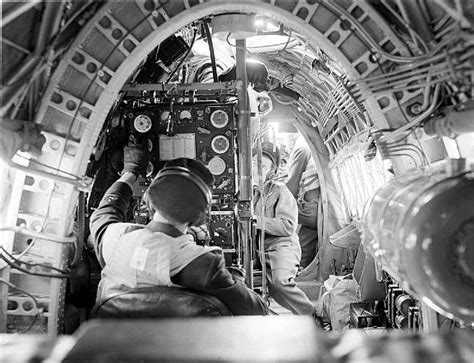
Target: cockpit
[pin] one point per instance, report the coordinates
(170, 168)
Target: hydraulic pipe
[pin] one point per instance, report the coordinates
(418, 119)
(412, 11)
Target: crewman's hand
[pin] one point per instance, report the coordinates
(20, 135)
(135, 159)
(33, 140)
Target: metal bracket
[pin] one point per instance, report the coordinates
(178, 89)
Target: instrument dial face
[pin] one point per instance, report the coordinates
(142, 123)
(185, 115)
(216, 166)
(220, 144)
(219, 119)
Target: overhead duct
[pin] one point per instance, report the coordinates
(452, 121)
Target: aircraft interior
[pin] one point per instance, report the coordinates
(376, 94)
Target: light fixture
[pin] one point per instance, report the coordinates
(264, 24)
(238, 26)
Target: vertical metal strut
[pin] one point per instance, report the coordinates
(245, 162)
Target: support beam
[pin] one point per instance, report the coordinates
(14, 84)
(14, 45)
(50, 23)
(245, 162)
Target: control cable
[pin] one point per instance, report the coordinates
(16, 264)
(211, 50)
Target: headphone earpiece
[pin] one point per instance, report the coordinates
(147, 202)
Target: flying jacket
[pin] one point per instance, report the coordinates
(279, 217)
(200, 269)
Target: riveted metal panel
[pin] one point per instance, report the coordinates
(79, 85)
(129, 15)
(173, 8)
(101, 48)
(322, 19)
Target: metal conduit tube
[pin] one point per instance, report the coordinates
(411, 10)
(418, 119)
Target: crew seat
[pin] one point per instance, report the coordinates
(158, 302)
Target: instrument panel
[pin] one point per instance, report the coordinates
(201, 131)
(204, 132)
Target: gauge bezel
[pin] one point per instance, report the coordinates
(215, 139)
(222, 165)
(219, 125)
(183, 118)
(139, 128)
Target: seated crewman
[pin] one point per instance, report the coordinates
(279, 221)
(161, 253)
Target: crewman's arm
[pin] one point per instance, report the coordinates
(112, 209)
(114, 204)
(208, 273)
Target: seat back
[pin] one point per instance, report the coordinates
(159, 302)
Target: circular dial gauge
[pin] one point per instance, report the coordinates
(219, 119)
(216, 166)
(142, 123)
(220, 144)
(185, 115)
